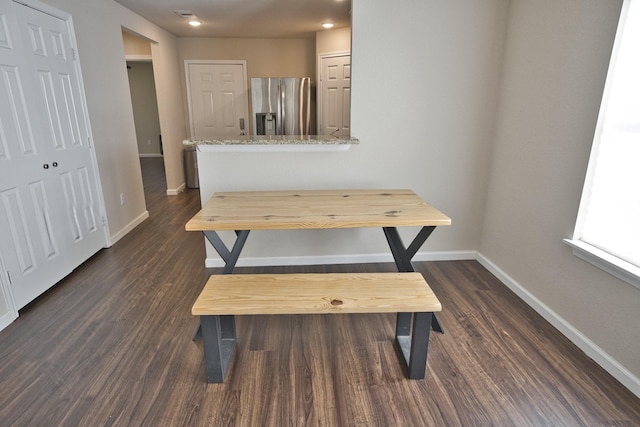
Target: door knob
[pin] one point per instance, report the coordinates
(46, 166)
(54, 164)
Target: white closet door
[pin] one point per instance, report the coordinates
(49, 202)
(51, 59)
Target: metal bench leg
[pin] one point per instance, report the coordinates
(414, 345)
(219, 341)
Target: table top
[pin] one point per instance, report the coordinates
(313, 209)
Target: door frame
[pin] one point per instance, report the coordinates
(188, 62)
(319, 96)
(5, 290)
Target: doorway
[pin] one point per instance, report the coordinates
(144, 102)
(145, 108)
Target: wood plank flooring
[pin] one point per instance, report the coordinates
(111, 345)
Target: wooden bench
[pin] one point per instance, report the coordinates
(248, 294)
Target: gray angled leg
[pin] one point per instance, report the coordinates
(219, 340)
(402, 257)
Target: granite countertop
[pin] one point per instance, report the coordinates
(275, 140)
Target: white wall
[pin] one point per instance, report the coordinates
(332, 41)
(98, 27)
(555, 66)
(425, 79)
(166, 73)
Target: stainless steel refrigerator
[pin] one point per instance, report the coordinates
(281, 106)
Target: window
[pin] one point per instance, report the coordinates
(607, 231)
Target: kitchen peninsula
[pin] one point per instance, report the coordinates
(290, 143)
(270, 163)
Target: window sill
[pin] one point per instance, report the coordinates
(621, 269)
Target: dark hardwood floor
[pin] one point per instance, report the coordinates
(111, 345)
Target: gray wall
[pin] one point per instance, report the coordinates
(554, 71)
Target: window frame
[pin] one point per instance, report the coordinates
(600, 258)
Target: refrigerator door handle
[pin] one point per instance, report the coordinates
(301, 106)
(307, 123)
(281, 109)
(303, 124)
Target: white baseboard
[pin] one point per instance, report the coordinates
(339, 259)
(150, 155)
(133, 224)
(602, 358)
(176, 191)
(7, 318)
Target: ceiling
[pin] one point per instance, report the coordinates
(244, 18)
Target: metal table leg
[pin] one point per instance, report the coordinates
(402, 257)
(230, 259)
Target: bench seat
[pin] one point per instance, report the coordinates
(225, 296)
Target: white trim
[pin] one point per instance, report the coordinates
(7, 319)
(124, 231)
(613, 265)
(340, 259)
(45, 8)
(138, 58)
(602, 358)
(150, 155)
(5, 290)
(176, 191)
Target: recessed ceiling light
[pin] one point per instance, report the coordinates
(191, 18)
(327, 25)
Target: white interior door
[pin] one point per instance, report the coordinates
(70, 154)
(217, 92)
(50, 203)
(334, 96)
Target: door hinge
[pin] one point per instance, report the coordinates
(89, 142)
(104, 221)
(73, 54)
(10, 278)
